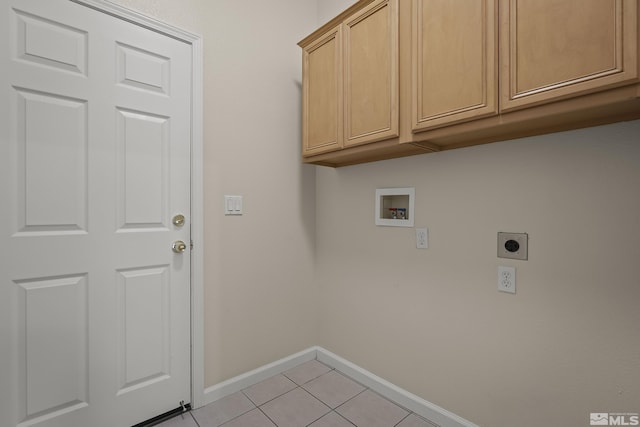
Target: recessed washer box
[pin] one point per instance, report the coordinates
(395, 206)
(513, 245)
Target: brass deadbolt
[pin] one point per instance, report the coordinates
(178, 220)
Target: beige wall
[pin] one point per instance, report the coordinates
(430, 321)
(433, 322)
(260, 298)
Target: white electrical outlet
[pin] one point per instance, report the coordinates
(507, 279)
(422, 238)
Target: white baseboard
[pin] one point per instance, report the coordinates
(413, 403)
(428, 410)
(235, 384)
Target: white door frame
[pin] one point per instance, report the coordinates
(197, 183)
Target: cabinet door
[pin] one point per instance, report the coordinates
(454, 48)
(371, 73)
(322, 120)
(552, 49)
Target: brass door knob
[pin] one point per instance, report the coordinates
(179, 246)
(178, 220)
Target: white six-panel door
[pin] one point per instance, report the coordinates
(94, 163)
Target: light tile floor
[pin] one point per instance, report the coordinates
(311, 394)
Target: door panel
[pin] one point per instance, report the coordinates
(371, 73)
(52, 344)
(143, 170)
(322, 121)
(142, 69)
(50, 43)
(144, 334)
(51, 135)
(453, 81)
(552, 49)
(94, 161)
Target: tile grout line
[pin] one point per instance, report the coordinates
(231, 419)
(268, 417)
(318, 399)
(410, 412)
(303, 389)
(350, 399)
(247, 396)
(194, 419)
(404, 418)
(281, 394)
(314, 378)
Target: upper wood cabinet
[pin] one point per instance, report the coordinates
(553, 49)
(390, 78)
(350, 80)
(371, 73)
(453, 61)
(322, 94)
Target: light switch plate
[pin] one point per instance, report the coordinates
(513, 245)
(233, 205)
